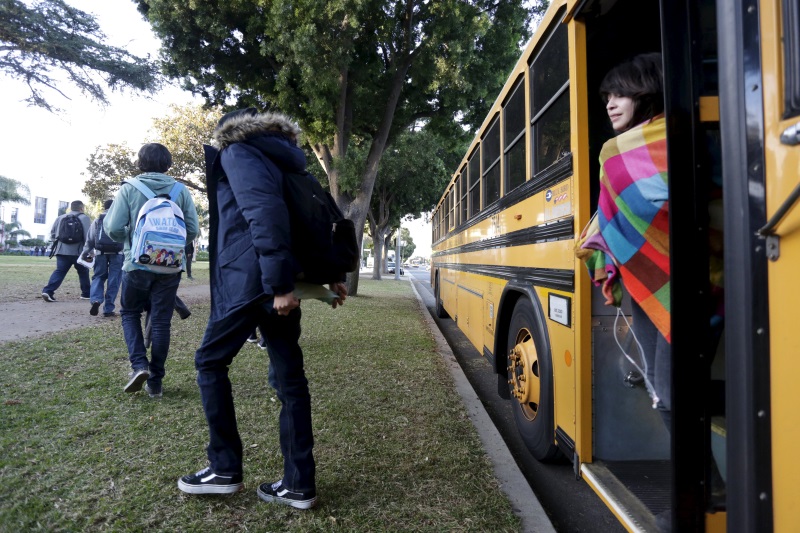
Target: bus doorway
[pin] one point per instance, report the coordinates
(644, 461)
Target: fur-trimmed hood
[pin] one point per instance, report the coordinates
(239, 126)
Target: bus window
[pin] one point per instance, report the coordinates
(451, 214)
(514, 139)
(550, 132)
(474, 181)
(491, 164)
(464, 191)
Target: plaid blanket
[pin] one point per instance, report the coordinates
(630, 238)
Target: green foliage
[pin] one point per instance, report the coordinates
(355, 74)
(201, 256)
(304, 56)
(48, 36)
(411, 177)
(32, 242)
(13, 231)
(183, 132)
(106, 168)
(13, 191)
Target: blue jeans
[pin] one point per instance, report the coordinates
(63, 264)
(107, 268)
(658, 355)
(222, 341)
(138, 288)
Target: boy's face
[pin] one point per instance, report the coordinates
(620, 110)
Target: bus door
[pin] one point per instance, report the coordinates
(662, 475)
(760, 116)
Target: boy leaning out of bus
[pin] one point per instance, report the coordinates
(627, 242)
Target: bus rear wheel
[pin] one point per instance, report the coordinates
(530, 381)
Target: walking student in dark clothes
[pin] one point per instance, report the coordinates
(67, 255)
(252, 286)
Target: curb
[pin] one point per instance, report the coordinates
(524, 502)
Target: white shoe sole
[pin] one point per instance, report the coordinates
(136, 382)
(209, 489)
(297, 504)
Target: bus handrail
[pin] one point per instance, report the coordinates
(769, 228)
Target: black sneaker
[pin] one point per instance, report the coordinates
(48, 297)
(85, 297)
(111, 314)
(276, 492)
(262, 344)
(138, 378)
(94, 309)
(154, 392)
(207, 482)
(252, 338)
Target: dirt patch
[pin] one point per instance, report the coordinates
(31, 318)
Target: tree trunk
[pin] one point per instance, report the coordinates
(377, 244)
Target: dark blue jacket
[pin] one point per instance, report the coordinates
(249, 235)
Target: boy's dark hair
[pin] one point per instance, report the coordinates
(77, 205)
(640, 79)
(154, 157)
(107, 204)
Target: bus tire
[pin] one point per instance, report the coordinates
(529, 365)
(440, 312)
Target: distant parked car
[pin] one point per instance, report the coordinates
(390, 268)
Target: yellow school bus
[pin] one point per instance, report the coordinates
(504, 266)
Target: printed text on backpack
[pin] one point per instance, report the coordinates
(158, 243)
(70, 229)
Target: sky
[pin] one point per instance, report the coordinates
(49, 151)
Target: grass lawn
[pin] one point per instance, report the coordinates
(22, 278)
(395, 450)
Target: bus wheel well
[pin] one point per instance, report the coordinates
(509, 301)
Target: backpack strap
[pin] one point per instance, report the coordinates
(142, 188)
(175, 191)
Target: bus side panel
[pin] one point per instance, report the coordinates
(470, 309)
(581, 191)
(562, 347)
(782, 168)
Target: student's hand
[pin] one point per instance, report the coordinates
(608, 291)
(341, 290)
(284, 303)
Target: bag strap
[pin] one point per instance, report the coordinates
(175, 191)
(142, 188)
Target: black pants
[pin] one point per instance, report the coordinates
(221, 343)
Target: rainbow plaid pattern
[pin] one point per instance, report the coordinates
(632, 240)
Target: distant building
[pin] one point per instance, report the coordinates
(49, 199)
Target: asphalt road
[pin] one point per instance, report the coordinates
(570, 503)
